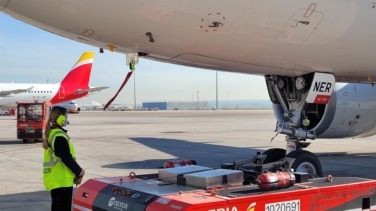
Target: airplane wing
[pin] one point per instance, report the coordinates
(14, 91)
(92, 90)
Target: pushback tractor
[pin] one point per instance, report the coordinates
(200, 188)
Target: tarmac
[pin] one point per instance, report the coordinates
(115, 143)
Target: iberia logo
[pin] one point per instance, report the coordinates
(252, 207)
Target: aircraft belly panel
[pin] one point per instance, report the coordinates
(221, 64)
(252, 35)
(300, 26)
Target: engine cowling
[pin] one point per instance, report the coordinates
(351, 112)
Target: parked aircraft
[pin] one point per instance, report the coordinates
(75, 85)
(92, 106)
(70, 105)
(120, 107)
(303, 48)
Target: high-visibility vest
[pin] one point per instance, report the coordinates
(55, 173)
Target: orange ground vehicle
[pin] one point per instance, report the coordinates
(31, 120)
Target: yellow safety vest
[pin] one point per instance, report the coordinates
(55, 173)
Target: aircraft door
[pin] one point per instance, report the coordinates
(61, 93)
(300, 26)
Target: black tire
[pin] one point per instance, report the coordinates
(306, 162)
(274, 154)
(25, 140)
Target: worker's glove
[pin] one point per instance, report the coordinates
(78, 180)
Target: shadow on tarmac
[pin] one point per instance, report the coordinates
(31, 201)
(204, 153)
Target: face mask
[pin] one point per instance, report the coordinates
(66, 122)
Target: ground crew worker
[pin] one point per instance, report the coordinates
(60, 169)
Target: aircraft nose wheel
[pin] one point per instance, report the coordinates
(306, 162)
(307, 167)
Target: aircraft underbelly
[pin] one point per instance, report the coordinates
(202, 61)
(255, 37)
(300, 26)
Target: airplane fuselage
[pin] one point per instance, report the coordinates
(257, 37)
(53, 93)
(38, 93)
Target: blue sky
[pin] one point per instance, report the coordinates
(31, 55)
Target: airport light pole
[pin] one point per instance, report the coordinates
(216, 90)
(134, 90)
(228, 99)
(198, 105)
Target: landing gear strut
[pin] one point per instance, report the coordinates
(293, 99)
(289, 95)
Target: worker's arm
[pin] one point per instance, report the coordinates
(62, 150)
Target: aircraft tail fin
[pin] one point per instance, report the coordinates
(80, 72)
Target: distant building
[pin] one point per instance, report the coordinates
(188, 105)
(154, 106)
(207, 105)
(176, 105)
